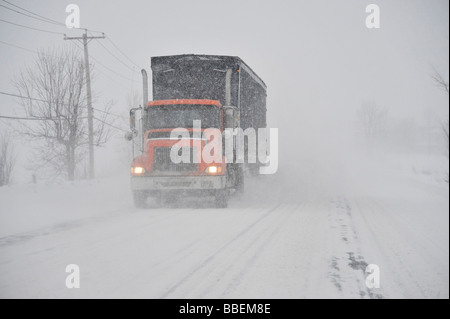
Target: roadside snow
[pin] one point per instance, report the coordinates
(31, 207)
(302, 233)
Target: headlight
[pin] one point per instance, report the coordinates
(213, 170)
(137, 170)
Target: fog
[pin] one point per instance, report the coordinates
(319, 60)
(321, 65)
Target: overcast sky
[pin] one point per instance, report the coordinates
(318, 59)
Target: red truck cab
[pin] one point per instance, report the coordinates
(154, 172)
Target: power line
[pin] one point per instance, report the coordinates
(109, 124)
(40, 16)
(108, 76)
(47, 19)
(29, 50)
(59, 33)
(109, 113)
(30, 16)
(31, 28)
(53, 119)
(50, 55)
(113, 55)
(22, 97)
(18, 47)
(36, 52)
(25, 118)
(35, 118)
(118, 49)
(40, 100)
(109, 69)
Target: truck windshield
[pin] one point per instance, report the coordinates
(173, 116)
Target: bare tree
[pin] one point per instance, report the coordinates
(372, 119)
(7, 159)
(440, 81)
(443, 84)
(53, 92)
(445, 130)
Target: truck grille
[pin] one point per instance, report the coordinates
(163, 163)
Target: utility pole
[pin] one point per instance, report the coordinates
(86, 39)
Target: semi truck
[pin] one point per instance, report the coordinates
(194, 93)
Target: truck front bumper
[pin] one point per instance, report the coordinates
(161, 183)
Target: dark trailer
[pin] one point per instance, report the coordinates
(224, 78)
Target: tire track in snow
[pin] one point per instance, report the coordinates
(185, 250)
(394, 254)
(227, 271)
(65, 226)
(347, 265)
(271, 230)
(212, 256)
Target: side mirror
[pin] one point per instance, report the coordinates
(133, 119)
(129, 136)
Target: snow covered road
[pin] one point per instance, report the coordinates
(305, 246)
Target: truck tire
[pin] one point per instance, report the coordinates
(221, 199)
(140, 199)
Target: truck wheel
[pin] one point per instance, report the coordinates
(140, 199)
(221, 199)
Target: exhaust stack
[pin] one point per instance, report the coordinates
(145, 88)
(144, 104)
